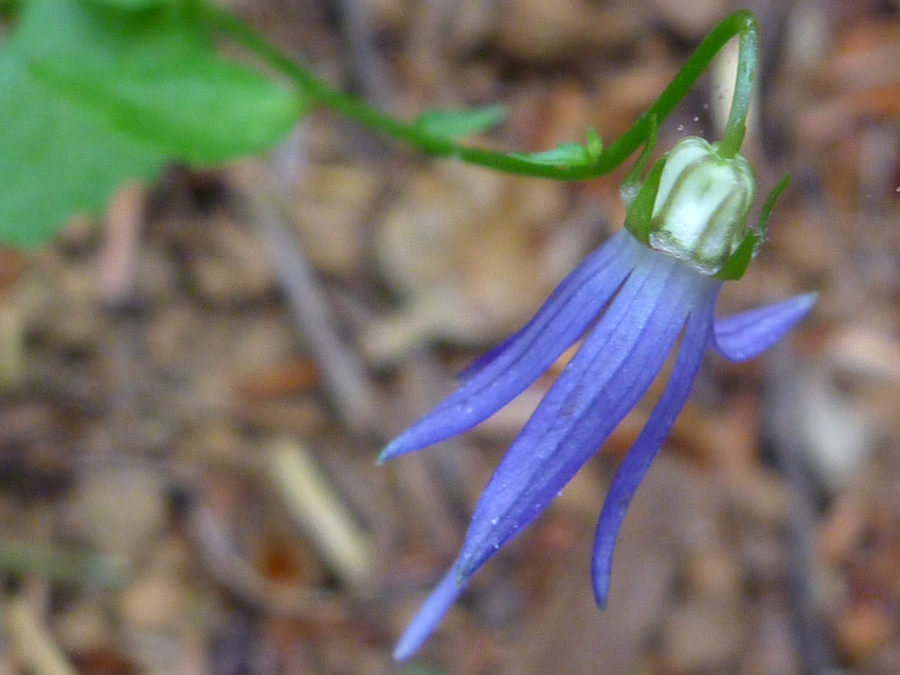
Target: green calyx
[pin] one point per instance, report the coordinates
(701, 206)
(694, 206)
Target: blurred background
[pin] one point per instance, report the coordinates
(195, 386)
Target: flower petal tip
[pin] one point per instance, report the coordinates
(809, 299)
(404, 651)
(746, 335)
(394, 449)
(424, 623)
(802, 304)
(601, 579)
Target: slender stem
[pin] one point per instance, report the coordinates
(740, 103)
(741, 22)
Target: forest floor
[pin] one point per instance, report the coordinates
(195, 387)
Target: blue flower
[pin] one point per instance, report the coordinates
(632, 305)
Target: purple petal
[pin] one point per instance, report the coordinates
(440, 600)
(509, 369)
(479, 364)
(748, 334)
(619, 247)
(641, 455)
(609, 374)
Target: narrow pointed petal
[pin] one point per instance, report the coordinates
(639, 458)
(748, 334)
(619, 251)
(509, 369)
(609, 374)
(424, 623)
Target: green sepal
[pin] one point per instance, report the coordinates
(740, 260)
(769, 204)
(631, 186)
(637, 219)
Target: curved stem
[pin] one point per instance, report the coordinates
(740, 103)
(741, 22)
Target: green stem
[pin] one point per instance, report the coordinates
(741, 22)
(740, 102)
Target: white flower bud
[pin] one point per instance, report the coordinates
(701, 207)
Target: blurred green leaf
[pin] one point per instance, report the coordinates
(568, 155)
(562, 156)
(137, 4)
(91, 96)
(57, 159)
(455, 123)
(155, 75)
(594, 145)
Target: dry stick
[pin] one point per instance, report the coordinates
(32, 641)
(230, 568)
(321, 513)
(368, 63)
(119, 255)
(12, 340)
(342, 370)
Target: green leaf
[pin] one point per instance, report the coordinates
(155, 75)
(134, 5)
(594, 145)
(563, 156)
(567, 155)
(91, 97)
(56, 158)
(640, 212)
(455, 123)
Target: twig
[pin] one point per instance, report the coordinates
(320, 511)
(12, 341)
(343, 372)
(118, 258)
(367, 62)
(238, 575)
(32, 642)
